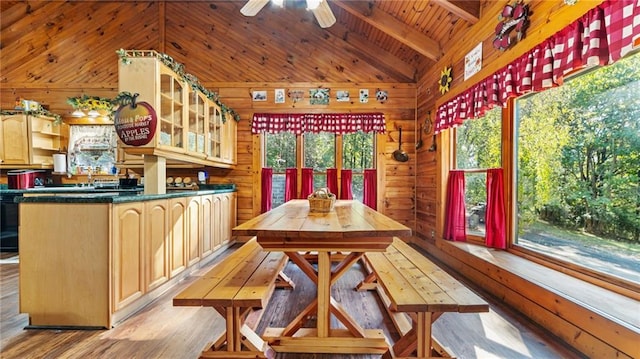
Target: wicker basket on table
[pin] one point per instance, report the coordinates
(321, 201)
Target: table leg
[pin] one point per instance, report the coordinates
(324, 294)
(424, 334)
(324, 339)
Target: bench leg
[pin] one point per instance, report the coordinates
(239, 340)
(284, 282)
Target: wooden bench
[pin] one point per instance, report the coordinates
(416, 292)
(238, 287)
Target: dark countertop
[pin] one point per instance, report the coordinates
(105, 195)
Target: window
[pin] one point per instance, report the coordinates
(478, 147)
(578, 168)
(319, 151)
(319, 154)
(357, 155)
(279, 154)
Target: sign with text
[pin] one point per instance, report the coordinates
(136, 123)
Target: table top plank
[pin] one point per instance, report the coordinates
(293, 222)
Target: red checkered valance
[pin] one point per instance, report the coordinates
(338, 123)
(602, 36)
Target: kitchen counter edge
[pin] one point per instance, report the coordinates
(114, 197)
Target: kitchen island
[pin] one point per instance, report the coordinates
(93, 259)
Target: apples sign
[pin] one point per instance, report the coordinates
(136, 122)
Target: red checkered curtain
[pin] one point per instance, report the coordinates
(370, 197)
(266, 189)
(332, 180)
(622, 21)
(495, 232)
(345, 184)
(455, 216)
(337, 123)
(307, 183)
(290, 184)
(601, 36)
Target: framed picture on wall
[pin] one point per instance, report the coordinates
(342, 96)
(319, 96)
(364, 95)
(259, 95)
(279, 95)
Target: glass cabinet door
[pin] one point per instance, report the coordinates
(171, 121)
(214, 131)
(196, 134)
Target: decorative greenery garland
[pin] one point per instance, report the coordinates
(178, 68)
(41, 111)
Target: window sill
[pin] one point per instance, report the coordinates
(592, 319)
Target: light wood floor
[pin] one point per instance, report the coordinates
(163, 331)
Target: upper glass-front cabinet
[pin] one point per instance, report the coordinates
(214, 132)
(171, 113)
(191, 128)
(196, 133)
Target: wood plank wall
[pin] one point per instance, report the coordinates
(395, 179)
(547, 17)
(55, 50)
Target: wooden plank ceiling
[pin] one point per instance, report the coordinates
(372, 41)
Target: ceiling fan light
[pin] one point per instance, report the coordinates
(279, 3)
(313, 4)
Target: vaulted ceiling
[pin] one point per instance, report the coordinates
(372, 41)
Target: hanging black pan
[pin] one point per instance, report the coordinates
(399, 154)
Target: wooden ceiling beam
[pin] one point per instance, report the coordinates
(393, 27)
(361, 47)
(469, 11)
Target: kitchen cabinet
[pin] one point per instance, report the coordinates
(229, 135)
(29, 141)
(118, 258)
(191, 128)
(178, 245)
(193, 232)
(128, 254)
(157, 241)
(227, 215)
(208, 225)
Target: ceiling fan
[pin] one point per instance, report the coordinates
(319, 8)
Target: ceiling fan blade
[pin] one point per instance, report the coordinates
(252, 7)
(324, 15)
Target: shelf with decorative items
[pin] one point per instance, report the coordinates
(188, 120)
(168, 119)
(30, 138)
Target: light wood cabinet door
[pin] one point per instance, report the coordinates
(178, 248)
(227, 215)
(229, 140)
(14, 149)
(128, 262)
(208, 225)
(217, 216)
(157, 242)
(193, 230)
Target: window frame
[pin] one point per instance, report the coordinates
(509, 163)
(453, 133)
(601, 279)
(338, 156)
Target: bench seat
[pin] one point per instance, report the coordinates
(416, 292)
(238, 287)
